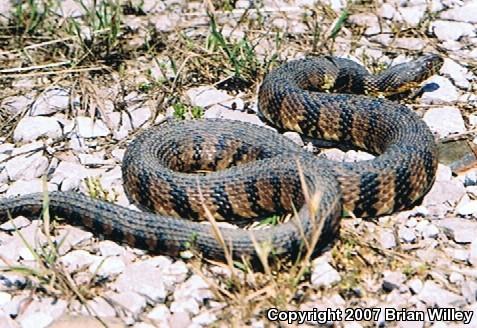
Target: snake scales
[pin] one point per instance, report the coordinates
(257, 172)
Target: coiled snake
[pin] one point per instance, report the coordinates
(258, 172)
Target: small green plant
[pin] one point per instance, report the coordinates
(183, 112)
(271, 220)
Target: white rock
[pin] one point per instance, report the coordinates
(448, 30)
(410, 43)
(70, 236)
(364, 19)
(107, 266)
(356, 156)
(138, 116)
(31, 128)
(466, 13)
(160, 314)
(432, 294)
(334, 154)
(130, 301)
(24, 187)
(295, 137)
(143, 278)
(473, 253)
(51, 101)
(166, 23)
(4, 298)
(17, 223)
(407, 234)
(460, 230)
(28, 166)
(71, 8)
(435, 6)
(421, 225)
(439, 90)
(472, 191)
(173, 273)
(459, 74)
(5, 147)
(456, 278)
(411, 222)
(95, 159)
(46, 305)
(469, 291)
(323, 274)
(393, 280)
(32, 235)
(430, 231)
(337, 5)
(387, 239)
(459, 254)
(195, 287)
(469, 208)
(36, 320)
(444, 193)
(77, 259)
(206, 96)
(444, 173)
(16, 104)
(219, 112)
(118, 154)
(26, 254)
(422, 210)
(187, 306)
(415, 285)
(12, 308)
(473, 120)
(413, 15)
(388, 11)
(87, 127)
(110, 248)
(6, 13)
(69, 175)
(445, 120)
(204, 319)
(100, 307)
(145, 325)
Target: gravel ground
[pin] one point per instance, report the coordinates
(71, 102)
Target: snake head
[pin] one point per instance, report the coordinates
(424, 67)
(406, 76)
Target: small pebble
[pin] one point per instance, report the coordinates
(323, 274)
(407, 234)
(415, 285)
(456, 278)
(387, 239)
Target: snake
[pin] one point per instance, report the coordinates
(180, 173)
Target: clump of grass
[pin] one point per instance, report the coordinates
(100, 30)
(277, 284)
(30, 16)
(241, 54)
(49, 276)
(96, 190)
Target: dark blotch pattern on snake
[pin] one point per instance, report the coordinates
(257, 172)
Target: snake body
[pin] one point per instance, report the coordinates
(258, 172)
